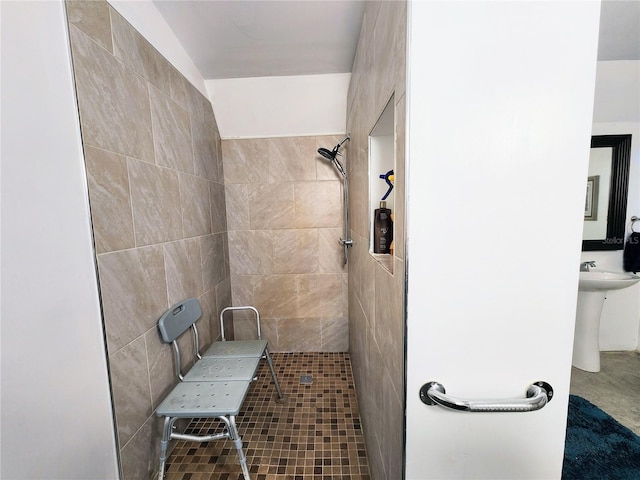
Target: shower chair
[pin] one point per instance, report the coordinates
(217, 383)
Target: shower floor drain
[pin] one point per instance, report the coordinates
(306, 379)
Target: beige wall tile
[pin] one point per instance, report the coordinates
(276, 296)
(267, 272)
(171, 133)
(110, 200)
(198, 106)
(335, 334)
(243, 287)
(359, 198)
(362, 274)
(134, 293)
(179, 88)
(219, 161)
(218, 207)
(389, 322)
(375, 394)
(375, 297)
(299, 335)
(237, 203)
(318, 204)
(155, 197)
(214, 267)
(136, 52)
(137, 203)
(223, 296)
(131, 394)
(271, 206)
(209, 320)
(92, 17)
(390, 45)
(184, 269)
(270, 333)
(195, 205)
(161, 374)
(208, 116)
(330, 251)
(245, 161)
(115, 112)
(245, 328)
(295, 251)
(320, 296)
(205, 150)
(358, 328)
(393, 418)
(291, 159)
(139, 458)
(250, 252)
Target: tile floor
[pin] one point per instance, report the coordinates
(316, 436)
(615, 388)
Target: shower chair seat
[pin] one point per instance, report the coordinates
(239, 348)
(244, 348)
(216, 385)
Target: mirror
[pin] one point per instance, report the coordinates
(606, 194)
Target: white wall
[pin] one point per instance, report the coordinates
(617, 111)
(56, 406)
(498, 96)
(617, 96)
(280, 106)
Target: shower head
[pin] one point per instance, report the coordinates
(332, 154)
(328, 154)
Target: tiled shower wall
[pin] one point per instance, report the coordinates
(285, 217)
(376, 296)
(156, 190)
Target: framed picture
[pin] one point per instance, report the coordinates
(591, 202)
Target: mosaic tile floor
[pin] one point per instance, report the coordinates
(315, 436)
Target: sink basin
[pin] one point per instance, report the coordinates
(592, 289)
(598, 280)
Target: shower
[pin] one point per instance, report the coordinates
(332, 156)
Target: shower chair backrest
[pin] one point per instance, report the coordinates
(177, 320)
(244, 308)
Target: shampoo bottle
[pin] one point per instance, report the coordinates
(382, 229)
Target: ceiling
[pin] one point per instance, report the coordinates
(237, 39)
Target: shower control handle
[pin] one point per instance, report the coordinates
(537, 396)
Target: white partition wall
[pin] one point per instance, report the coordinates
(500, 98)
(56, 406)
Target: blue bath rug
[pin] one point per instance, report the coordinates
(597, 446)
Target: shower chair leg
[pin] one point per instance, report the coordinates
(230, 422)
(281, 398)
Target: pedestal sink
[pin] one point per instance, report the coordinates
(592, 288)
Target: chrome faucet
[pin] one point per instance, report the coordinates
(584, 266)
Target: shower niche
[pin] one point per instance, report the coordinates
(381, 186)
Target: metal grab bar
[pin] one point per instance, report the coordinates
(538, 395)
